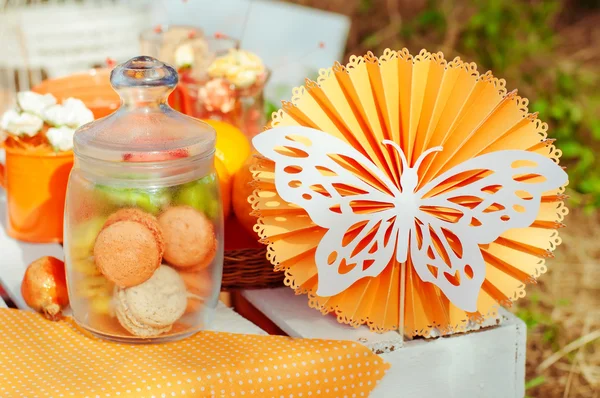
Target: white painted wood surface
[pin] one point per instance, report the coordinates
(292, 315)
(227, 320)
(489, 363)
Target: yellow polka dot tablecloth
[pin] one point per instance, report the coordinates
(40, 358)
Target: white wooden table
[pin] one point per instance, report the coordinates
(489, 363)
(485, 364)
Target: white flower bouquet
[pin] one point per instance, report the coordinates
(38, 122)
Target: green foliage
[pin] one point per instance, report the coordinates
(431, 21)
(503, 33)
(517, 41)
(364, 6)
(270, 107)
(538, 320)
(535, 382)
(568, 106)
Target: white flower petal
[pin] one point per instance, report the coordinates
(72, 113)
(244, 79)
(8, 118)
(242, 68)
(21, 124)
(61, 138)
(34, 103)
(184, 55)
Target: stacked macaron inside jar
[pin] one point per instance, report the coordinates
(146, 265)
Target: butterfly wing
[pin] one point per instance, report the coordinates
(504, 191)
(343, 192)
(455, 266)
(354, 249)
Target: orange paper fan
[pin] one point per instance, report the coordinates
(408, 193)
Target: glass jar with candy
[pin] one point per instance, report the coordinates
(143, 219)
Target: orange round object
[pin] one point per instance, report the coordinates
(35, 182)
(199, 286)
(225, 183)
(239, 197)
(139, 216)
(44, 287)
(92, 87)
(232, 146)
(190, 240)
(127, 253)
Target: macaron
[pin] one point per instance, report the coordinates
(140, 216)
(199, 286)
(138, 329)
(190, 241)
(127, 253)
(151, 308)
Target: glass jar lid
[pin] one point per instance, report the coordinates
(144, 128)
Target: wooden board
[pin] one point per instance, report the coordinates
(487, 363)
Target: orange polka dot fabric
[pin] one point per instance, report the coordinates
(39, 358)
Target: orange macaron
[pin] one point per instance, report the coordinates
(127, 253)
(137, 215)
(190, 241)
(199, 286)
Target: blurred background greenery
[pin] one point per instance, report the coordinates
(550, 51)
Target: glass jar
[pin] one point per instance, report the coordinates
(164, 42)
(219, 99)
(143, 220)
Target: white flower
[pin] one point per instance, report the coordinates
(72, 113)
(244, 79)
(34, 103)
(61, 138)
(240, 67)
(21, 124)
(184, 55)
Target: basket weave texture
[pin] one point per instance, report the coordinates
(246, 269)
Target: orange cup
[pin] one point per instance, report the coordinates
(35, 184)
(36, 180)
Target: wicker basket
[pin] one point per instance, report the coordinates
(246, 269)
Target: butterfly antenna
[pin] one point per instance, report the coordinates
(425, 154)
(400, 152)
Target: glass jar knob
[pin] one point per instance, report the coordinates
(144, 80)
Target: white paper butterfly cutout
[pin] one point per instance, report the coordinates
(310, 174)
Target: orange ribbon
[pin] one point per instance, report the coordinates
(39, 358)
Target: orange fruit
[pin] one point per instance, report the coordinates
(225, 182)
(232, 146)
(241, 190)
